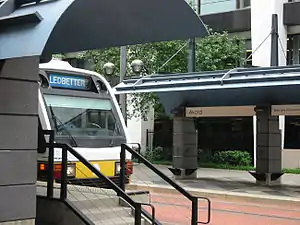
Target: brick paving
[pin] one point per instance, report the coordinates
(235, 196)
(174, 209)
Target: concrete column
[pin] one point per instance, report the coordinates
(185, 144)
(268, 155)
(18, 140)
(261, 21)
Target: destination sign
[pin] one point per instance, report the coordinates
(67, 81)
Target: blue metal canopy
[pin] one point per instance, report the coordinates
(28, 28)
(237, 87)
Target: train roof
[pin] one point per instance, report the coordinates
(57, 64)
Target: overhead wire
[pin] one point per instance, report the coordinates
(266, 38)
(185, 44)
(282, 48)
(163, 65)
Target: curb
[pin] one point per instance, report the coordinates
(287, 185)
(245, 197)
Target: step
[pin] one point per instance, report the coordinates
(140, 196)
(107, 213)
(92, 201)
(124, 221)
(71, 187)
(118, 221)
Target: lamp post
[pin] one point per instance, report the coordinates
(192, 46)
(137, 66)
(109, 72)
(109, 68)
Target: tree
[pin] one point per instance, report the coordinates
(219, 52)
(153, 55)
(215, 52)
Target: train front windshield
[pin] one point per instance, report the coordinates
(82, 117)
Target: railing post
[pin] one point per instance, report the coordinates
(194, 211)
(147, 138)
(63, 188)
(123, 167)
(50, 167)
(138, 214)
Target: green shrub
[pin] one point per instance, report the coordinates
(235, 158)
(158, 154)
(205, 155)
(148, 154)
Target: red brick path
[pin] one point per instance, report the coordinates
(175, 209)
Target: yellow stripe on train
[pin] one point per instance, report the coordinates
(105, 167)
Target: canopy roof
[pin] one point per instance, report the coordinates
(59, 26)
(237, 87)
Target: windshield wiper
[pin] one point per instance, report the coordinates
(56, 119)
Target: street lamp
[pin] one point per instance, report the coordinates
(109, 68)
(137, 66)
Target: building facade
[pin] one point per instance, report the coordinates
(251, 20)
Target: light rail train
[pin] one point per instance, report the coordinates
(79, 105)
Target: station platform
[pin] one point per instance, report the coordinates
(221, 183)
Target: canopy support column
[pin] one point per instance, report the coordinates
(268, 149)
(185, 148)
(18, 139)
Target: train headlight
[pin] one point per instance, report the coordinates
(118, 168)
(71, 170)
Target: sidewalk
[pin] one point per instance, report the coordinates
(219, 182)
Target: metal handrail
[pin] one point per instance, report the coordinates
(115, 187)
(152, 212)
(208, 211)
(63, 193)
(50, 170)
(122, 186)
(193, 199)
(149, 216)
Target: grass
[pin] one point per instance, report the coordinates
(292, 171)
(228, 167)
(225, 166)
(231, 167)
(167, 163)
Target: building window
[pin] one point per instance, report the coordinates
(248, 53)
(293, 50)
(289, 51)
(241, 4)
(248, 62)
(217, 6)
(292, 132)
